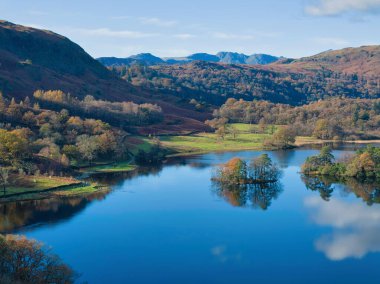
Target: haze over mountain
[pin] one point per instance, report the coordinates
(221, 57)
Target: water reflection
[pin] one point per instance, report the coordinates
(356, 228)
(367, 190)
(16, 215)
(248, 195)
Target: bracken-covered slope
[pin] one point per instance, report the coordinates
(362, 61)
(32, 59)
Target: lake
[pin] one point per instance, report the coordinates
(172, 225)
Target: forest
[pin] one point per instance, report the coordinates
(213, 83)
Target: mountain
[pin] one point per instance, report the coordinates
(221, 57)
(204, 57)
(32, 59)
(351, 72)
(148, 58)
(232, 58)
(261, 59)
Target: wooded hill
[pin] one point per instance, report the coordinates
(351, 72)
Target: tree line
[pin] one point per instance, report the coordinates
(335, 118)
(118, 114)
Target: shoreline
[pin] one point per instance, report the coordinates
(76, 188)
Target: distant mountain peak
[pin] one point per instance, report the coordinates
(226, 57)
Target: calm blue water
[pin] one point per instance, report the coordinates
(173, 226)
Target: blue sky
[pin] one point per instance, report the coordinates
(291, 28)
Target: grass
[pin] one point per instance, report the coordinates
(112, 168)
(210, 142)
(40, 183)
(32, 187)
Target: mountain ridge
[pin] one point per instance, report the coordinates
(221, 57)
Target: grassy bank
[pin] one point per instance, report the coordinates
(33, 187)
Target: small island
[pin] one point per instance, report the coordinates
(260, 170)
(364, 164)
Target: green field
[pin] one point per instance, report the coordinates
(32, 187)
(211, 142)
(112, 168)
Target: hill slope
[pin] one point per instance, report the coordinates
(32, 59)
(353, 72)
(362, 61)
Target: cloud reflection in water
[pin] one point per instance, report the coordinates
(356, 227)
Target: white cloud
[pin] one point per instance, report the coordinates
(105, 32)
(331, 41)
(336, 7)
(356, 228)
(220, 35)
(157, 22)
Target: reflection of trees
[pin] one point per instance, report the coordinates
(19, 214)
(118, 177)
(367, 190)
(283, 157)
(249, 195)
(321, 184)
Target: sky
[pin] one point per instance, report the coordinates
(165, 28)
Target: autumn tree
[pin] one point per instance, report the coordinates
(28, 261)
(283, 138)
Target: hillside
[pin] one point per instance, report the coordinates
(32, 59)
(362, 61)
(353, 72)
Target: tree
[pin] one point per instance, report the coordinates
(27, 261)
(262, 169)
(4, 175)
(87, 146)
(283, 138)
(13, 148)
(262, 126)
(233, 130)
(221, 132)
(232, 172)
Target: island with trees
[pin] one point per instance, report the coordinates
(237, 171)
(243, 184)
(364, 164)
